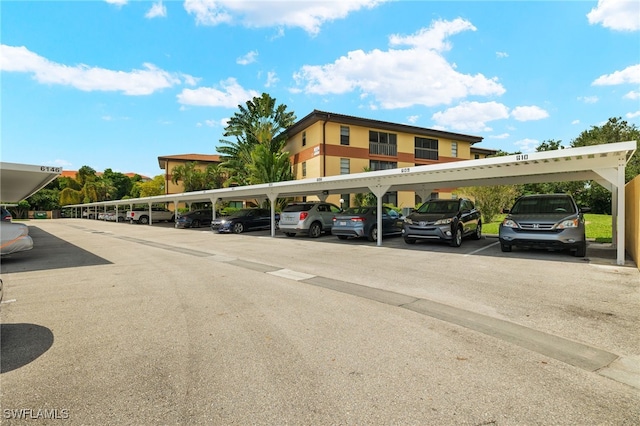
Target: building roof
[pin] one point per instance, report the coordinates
(317, 115)
(201, 158)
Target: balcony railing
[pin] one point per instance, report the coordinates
(383, 149)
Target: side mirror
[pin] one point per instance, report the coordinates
(505, 211)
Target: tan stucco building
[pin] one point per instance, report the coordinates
(327, 144)
(168, 162)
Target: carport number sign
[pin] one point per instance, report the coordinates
(50, 169)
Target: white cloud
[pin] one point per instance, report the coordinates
(136, 82)
(502, 55)
(527, 145)
(248, 58)
(633, 95)
(272, 79)
(500, 136)
(629, 75)
(588, 99)
(117, 2)
(413, 119)
(471, 116)
(310, 16)
(230, 95)
(618, 15)
(157, 10)
(575, 122)
(398, 78)
(529, 113)
(633, 114)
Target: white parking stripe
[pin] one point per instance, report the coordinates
(292, 275)
(483, 248)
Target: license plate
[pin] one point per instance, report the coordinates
(343, 223)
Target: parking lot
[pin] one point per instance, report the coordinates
(106, 323)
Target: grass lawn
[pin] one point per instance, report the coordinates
(598, 227)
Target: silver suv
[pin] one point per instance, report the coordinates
(549, 221)
(312, 218)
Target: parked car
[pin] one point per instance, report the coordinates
(111, 216)
(362, 222)
(158, 214)
(14, 237)
(545, 220)
(6, 215)
(443, 220)
(245, 220)
(312, 218)
(195, 219)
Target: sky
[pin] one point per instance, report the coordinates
(116, 83)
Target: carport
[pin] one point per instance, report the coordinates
(604, 164)
(20, 181)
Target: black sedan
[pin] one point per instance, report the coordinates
(245, 220)
(443, 220)
(195, 219)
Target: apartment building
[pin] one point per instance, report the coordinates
(327, 144)
(168, 162)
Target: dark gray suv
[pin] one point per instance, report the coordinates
(545, 220)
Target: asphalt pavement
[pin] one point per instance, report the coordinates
(106, 323)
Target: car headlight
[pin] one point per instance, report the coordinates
(508, 223)
(571, 223)
(409, 221)
(443, 221)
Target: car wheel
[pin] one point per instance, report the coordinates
(290, 234)
(581, 251)
(409, 240)
(505, 247)
(456, 241)
(478, 234)
(342, 237)
(373, 234)
(238, 228)
(315, 230)
(143, 220)
(195, 224)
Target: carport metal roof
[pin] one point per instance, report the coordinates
(20, 181)
(603, 163)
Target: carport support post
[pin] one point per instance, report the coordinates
(150, 218)
(273, 196)
(175, 210)
(379, 191)
(620, 225)
(214, 201)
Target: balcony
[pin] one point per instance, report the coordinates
(377, 148)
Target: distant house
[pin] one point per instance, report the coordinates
(168, 162)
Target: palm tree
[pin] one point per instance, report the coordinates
(192, 178)
(261, 122)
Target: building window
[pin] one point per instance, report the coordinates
(304, 169)
(382, 165)
(344, 135)
(390, 198)
(426, 148)
(381, 143)
(304, 138)
(344, 166)
(454, 149)
(476, 156)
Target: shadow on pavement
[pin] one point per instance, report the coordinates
(48, 252)
(21, 344)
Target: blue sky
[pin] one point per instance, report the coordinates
(115, 84)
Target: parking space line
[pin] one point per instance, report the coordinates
(482, 248)
(292, 275)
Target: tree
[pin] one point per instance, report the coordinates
(191, 177)
(70, 196)
(267, 166)
(261, 122)
(490, 200)
(150, 188)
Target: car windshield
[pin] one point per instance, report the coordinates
(543, 205)
(448, 206)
